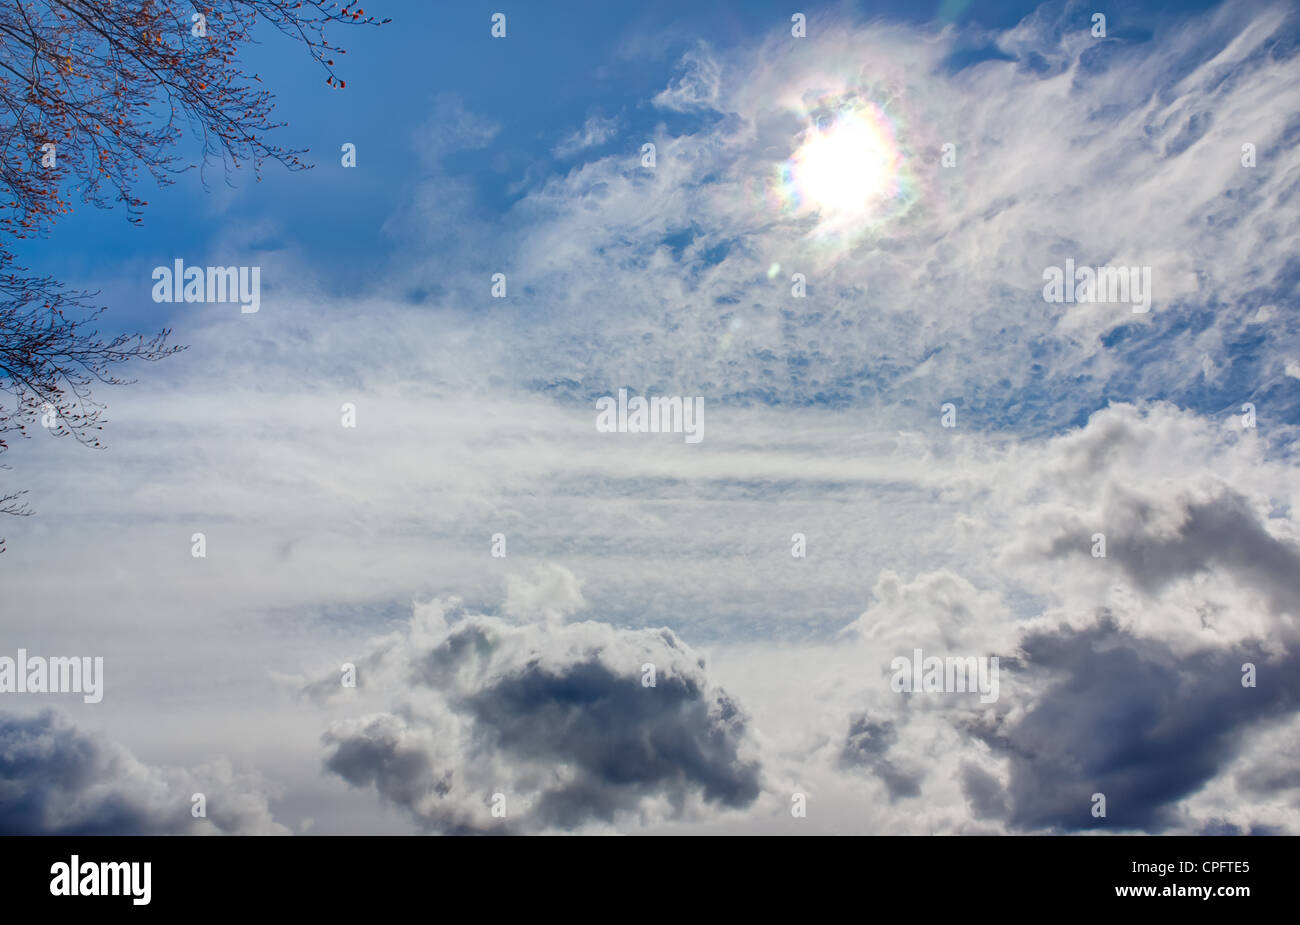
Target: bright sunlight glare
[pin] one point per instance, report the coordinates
(843, 168)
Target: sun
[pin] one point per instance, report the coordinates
(843, 167)
(851, 175)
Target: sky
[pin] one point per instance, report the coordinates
(841, 249)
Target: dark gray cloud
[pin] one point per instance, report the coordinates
(625, 742)
(986, 797)
(1221, 531)
(867, 746)
(1222, 827)
(1276, 770)
(555, 718)
(56, 780)
(1126, 717)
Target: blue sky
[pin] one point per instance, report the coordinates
(824, 418)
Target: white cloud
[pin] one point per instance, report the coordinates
(698, 84)
(594, 132)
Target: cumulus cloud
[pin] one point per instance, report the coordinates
(566, 725)
(551, 592)
(56, 780)
(937, 608)
(868, 746)
(1222, 531)
(1190, 513)
(1127, 718)
(1120, 675)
